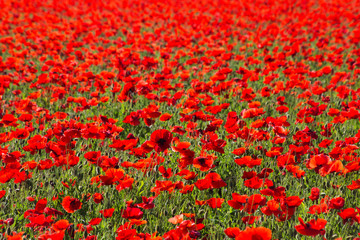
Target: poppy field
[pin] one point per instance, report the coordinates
(153, 119)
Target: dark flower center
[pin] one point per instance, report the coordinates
(202, 160)
(161, 141)
(74, 204)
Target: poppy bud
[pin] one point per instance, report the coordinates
(9, 221)
(315, 192)
(194, 234)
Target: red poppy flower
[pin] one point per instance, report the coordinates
(318, 161)
(166, 173)
(107, 212)
(293, 201)
(325, 143)
(12, 157)
(253, 202)
(71, 204)
(238, 201)
(132, 213)
(315, 192)
(312, 228)
(26, 117)
(165, 117)
(186, 174)
(248, 161)
(250, 219)
(9, 120)
(51, 235)
(98, 197)
(125, 144)
(272, 208)
(176, 219)
(20, 133)
(204, 163)
(254, 183)
(239, 151)
(211, 180)
(61, 225)
(30, 198)
(178, 130)
(93, 156)
(45, 164)
(187, 189)
(2, 193)
(95, 221)
(52, 211)
(265, 172)
(350, 214)
(215, 202)
(161, 139)
(147, 203)
(200, 202)
(232, 232)
(258, 233)
(354, 185)
(337, 203)
(15, 236)
(252, 112)
(40, 205)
